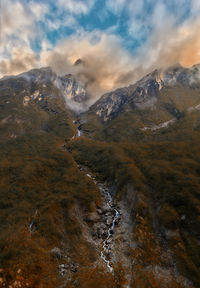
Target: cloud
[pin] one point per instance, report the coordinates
(22, 60)
(19, 20)
(14, 20)
(116, 6)
(109, 66)
(167, 33)
(105, 62)
(170, 44)
(24, 23)
(76, 7)
(18, 28)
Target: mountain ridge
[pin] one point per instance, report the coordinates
(144, 92)
(59, 170)
(75, 92)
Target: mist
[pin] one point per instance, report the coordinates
(106, 63)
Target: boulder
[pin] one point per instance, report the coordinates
(109, 221)
(57, 252)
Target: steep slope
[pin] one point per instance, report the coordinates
(33, 100)
(155, 122)
(88, 213)
(41, 186)
(157, 101)
(145, 93)
(48, 200)
(158, 184)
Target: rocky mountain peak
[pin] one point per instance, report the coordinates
(145, 92)
(79, 62)
(73, 91)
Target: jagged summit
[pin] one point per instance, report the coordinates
(144, 93)
(73, 90)
(141, 224)
(79, 62)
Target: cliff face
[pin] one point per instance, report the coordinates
(146, 92)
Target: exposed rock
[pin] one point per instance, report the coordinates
(99, 211)
(74, 268)
(57, 252)
(109, 221)
(73, 91)
(26, 100)
(144, 93)
(109, 241)
(79, 62)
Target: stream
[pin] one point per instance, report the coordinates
(110, 204)
(109, 235)
(32, 225)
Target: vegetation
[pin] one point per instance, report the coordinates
(44, 196)
(165, 173)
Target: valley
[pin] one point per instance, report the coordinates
(102, 197)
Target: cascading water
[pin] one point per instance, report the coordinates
(32, 224)
(110, 230)
(110, 204)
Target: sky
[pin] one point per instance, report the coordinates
(119, 41)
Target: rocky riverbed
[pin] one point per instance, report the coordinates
(111, 230)
(108, 228)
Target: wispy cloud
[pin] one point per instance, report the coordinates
(76, 7)
(116, 6)
(143, 35)
(19, 26)
(106, 62)
(20, 60)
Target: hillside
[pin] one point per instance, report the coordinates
(161, 99)
(105, 198)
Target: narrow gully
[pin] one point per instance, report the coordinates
(110, 232)
(110, 204)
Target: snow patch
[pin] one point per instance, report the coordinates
(160, 126)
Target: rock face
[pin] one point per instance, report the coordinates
(145, 92)
(113, 235)
(73, 91)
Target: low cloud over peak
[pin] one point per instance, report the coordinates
(119, 42)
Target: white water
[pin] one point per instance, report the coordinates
(110, 231)
(31, 228)
(79, 132)
(109, 204)
(103, 256)
(111, 228)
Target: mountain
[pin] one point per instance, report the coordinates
(104, 197)
(156, 101)
(145, 93)
(32, 100)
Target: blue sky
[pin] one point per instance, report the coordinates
(130, 20)
(130, 36)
